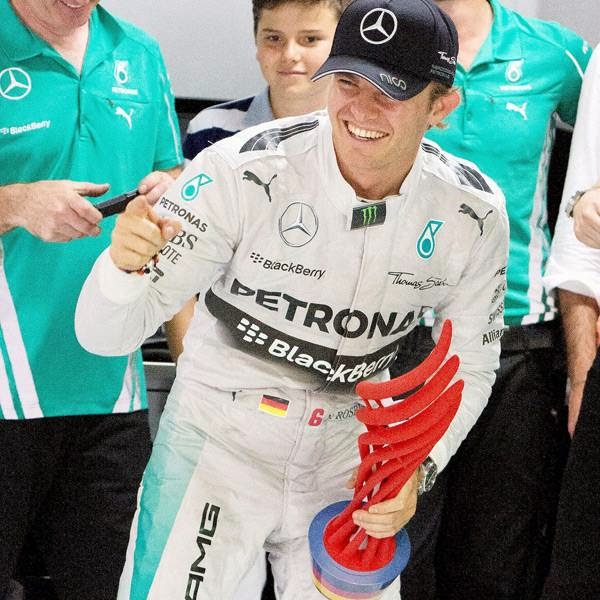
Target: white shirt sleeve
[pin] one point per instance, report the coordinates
(476, 312)
(117, 311)
(572, 265)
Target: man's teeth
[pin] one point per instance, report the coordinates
(365, 133)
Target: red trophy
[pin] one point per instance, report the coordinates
(347, 563)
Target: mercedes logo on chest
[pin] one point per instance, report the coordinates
(378, 26)
(15, 83)
(298, 224)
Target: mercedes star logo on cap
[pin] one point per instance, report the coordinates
(378, 26)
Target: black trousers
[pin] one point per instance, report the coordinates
(575, 567)
(481, 533)
(70, 483)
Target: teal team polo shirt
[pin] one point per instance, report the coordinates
(526, 73)
(113, 123)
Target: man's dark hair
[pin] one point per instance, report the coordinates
(259, 5)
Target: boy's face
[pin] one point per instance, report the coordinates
(292, 42)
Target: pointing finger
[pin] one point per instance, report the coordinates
(139, 207)
(86, 188)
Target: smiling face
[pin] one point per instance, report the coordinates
(59, 16)
(376, 135)
(292, 42)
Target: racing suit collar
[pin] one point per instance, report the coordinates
(410, 181)
(339, 192)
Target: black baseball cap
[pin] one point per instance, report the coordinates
(397, 45)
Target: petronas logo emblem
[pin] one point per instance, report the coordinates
(191, 188)
(426, 241)
(514, 70)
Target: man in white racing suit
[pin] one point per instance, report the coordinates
(315, 243)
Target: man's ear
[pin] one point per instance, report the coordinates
(443, 106)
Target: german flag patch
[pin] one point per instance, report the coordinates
(274, 406)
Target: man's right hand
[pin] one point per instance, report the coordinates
(586, 217)
(56, 211)
(139, 234)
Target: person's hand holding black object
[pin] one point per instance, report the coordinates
(154, 185)
(54, 211)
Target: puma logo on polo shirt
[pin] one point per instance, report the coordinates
(126, 115)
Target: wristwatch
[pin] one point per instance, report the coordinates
(572, 201)
(427, 475)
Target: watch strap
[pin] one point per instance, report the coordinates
(572, 201)
(427, 475)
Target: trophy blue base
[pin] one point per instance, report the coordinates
(337, 582)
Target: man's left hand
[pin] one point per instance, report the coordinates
(154, 185)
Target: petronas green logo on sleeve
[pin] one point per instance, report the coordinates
(191, 188)
(426, 241)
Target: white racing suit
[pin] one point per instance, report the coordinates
(304, 291)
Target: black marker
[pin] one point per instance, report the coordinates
(115, 205)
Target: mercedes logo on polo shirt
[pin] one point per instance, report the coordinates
(298, 224)
(15, 83)
(378, 26)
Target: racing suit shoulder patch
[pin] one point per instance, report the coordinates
(270, 139)
(467, 173)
